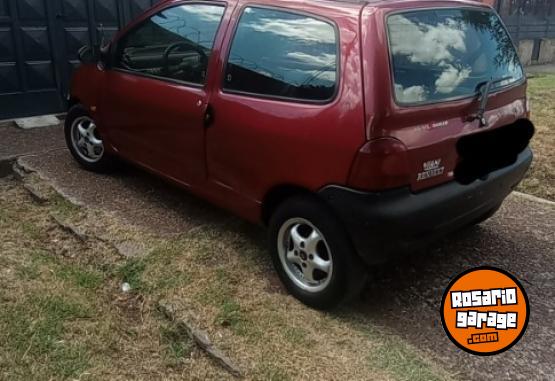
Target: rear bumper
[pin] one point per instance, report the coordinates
(384, 223)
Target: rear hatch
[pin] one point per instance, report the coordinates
(454, 78)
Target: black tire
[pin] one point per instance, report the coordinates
(105, 163)
(348, 274)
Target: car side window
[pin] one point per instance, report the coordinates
(175, 43)
(282, 54)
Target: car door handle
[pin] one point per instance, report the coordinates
(208, 116)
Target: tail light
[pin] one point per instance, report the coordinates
(380, 164)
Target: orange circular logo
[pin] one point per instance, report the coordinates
(485, 311)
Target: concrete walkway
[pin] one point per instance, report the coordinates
(540, 69)
(16, 142)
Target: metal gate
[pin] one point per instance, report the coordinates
(39, 40)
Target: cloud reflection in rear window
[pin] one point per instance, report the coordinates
(447, 53)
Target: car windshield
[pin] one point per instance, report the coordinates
(443, 54)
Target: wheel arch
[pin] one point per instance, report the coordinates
(277, 195)
(72, 102)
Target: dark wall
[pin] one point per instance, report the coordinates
(39, 40)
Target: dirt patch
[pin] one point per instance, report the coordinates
(130, 305)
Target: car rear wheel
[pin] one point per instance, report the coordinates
(84, 141)
(313, 255)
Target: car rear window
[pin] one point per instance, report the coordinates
(282, 54)
(443, 54)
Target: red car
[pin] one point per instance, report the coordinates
(354, 129)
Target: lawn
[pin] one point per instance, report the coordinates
(540, 181)
(64, 314)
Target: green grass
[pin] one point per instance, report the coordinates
(272, 372)
(177, 344)
(69, 361)
(542, 82)
(218, 291)
(32, 332)
(160, 274)
(295, 335)
(39, 260)
(155, 273)
(5, 216)
(63, 207)
(33, 264)
(30, 230)
(28, 271)
(79, 277)
(170, 280)
(399, 359)
(230, 314)
(401, 362)
(132, 273)
(540, 180)
(56, 309)
(395, 356)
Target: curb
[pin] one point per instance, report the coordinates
(534, 198)
(7, 162)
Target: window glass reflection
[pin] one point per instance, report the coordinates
(443, 54)
(283, 54)
(176, 43)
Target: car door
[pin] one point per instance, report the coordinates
(278, 106)
(153, 104)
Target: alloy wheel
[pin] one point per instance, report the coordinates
(305, 255)
(85, 139)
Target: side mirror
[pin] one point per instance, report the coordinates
(88, 55)
(95, 55)
(105, 54)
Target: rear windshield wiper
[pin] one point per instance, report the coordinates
(484, 89)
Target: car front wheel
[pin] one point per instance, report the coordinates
(313, 255)
(84, 141)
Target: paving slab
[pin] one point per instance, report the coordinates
(404, 297)
(37, 122)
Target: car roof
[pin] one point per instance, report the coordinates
(397, 4)
(411, 3)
